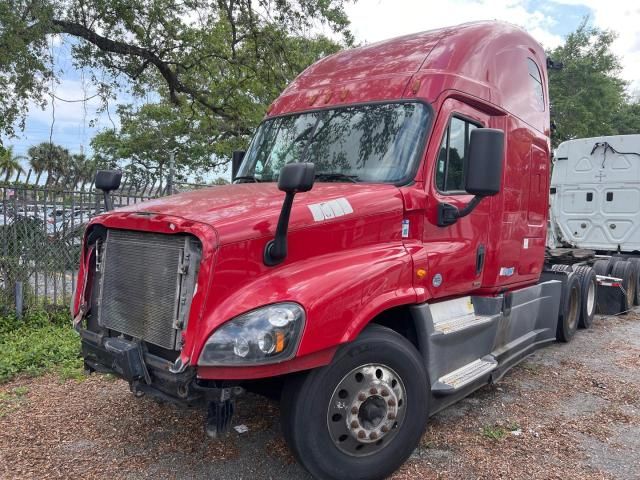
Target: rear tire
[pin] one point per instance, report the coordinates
(588, 294)
(636, 263)
(560, 267)
(570, 307)
(608, 300)
(627, 272)
(361, 416)
(601, 267)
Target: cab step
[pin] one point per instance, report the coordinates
(463, 322)
(454, 381)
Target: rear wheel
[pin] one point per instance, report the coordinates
(636, 264)
(627, 272)
(601, 267)
(587, 278)
(569, 309)
(367, 409)
(561, 268)
(609, 299)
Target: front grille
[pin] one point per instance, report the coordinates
(147, 281)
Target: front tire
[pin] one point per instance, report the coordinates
(361, 416)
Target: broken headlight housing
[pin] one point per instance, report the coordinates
(266, 335)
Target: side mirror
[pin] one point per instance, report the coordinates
(483, 173)
(236, 160)
(108, 181)
(294, 178)
(484, 162)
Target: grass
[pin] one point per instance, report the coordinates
(498, 432)
(10, 400)
(494, 432)
(40, 342)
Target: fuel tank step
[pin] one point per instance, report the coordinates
(463, 376)
(463, 322)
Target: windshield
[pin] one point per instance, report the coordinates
(363, 143)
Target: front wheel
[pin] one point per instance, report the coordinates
(361, 416)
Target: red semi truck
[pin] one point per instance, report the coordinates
(379, 256)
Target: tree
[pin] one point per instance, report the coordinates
(51, 159)
(9, 163)
(217, 63)
(149, 135)
(588, 96)
(81, 170)
(627, 119)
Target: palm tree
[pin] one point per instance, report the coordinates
(81, 169)
(50, 158)
(9, 163)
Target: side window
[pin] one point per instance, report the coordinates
(452, 156)
(536, 83)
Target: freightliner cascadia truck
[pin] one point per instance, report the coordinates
(379, 255)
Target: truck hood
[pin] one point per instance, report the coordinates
(250, 210)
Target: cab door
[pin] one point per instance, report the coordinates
(457, 252)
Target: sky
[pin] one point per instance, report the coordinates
(73, 124)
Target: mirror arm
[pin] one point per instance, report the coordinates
(470, 206)
(275, 251)
(108, 204)
(449, 214)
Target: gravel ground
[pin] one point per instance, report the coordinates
(569, 411)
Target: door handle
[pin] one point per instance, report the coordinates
(480, 253)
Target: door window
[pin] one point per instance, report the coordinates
(450, 168)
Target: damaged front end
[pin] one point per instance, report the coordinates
(132, 312)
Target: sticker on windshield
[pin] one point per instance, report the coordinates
(331, 209)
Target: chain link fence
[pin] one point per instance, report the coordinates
(41, 229)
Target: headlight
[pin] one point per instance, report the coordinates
(265, 335)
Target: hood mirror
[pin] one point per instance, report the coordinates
(294, 178)
(108, 181)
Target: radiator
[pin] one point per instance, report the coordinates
(147, 281)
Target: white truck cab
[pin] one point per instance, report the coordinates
(595, 194)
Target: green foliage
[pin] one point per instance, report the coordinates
(24, 55)
(11, 400)
(588, 96)
(208, 70)
(42, 341)
(58, 163)
(9, 163)
(24, 242)
(627, 119)
(494, 432)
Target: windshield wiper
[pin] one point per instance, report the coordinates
(247, 177)
(330, 176)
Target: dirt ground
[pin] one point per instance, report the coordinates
(569, 411)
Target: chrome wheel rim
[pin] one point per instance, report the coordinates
(367, 409)
(591, 298)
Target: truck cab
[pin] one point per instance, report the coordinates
(595, 192)
(379, 255)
